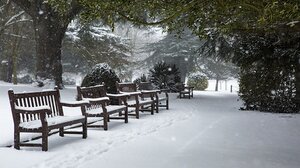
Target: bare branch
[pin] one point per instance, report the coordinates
(13, 18)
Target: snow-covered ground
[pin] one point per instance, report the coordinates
(207, 131)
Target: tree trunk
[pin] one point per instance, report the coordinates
(217, 83)
(9, 70)
(297, 83)
(50, 28)
(49, 34)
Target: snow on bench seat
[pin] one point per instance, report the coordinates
(36, 124)
(32, 108)
(110, 108)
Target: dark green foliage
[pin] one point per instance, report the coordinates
(268, 86)
(199, 82)
(143, 78)
(102, 73)
(267, 77)
(165, 76)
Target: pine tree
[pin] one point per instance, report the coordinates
(165, 76)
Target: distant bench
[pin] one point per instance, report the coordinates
(41, 112)
(185, 91)
(138, 100)
(161, 96)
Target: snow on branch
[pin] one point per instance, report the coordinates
(12, 20)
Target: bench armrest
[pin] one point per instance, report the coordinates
(118, 95)
(75, 103)
(33, 110)
(121, 97)
(149, 91)
(132, 93)
(97, 100)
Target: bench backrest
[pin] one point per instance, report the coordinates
(145, 86)
(126, 87)
(49, 98)
(179, 87)
(91, 92)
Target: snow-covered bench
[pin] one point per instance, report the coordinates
(161, 95)
(185, 91)
(100, 106)
(41, 112)
(138, 100)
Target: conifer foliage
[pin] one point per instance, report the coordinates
(267, 77)
(165, 76)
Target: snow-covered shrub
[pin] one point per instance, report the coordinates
(26, 79)
(102, 73)
(165, 76)
(199, 82)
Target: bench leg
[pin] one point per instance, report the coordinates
(126, 115)
(61, 132)
(157, 104)
(137, 115)
(105, 119)
(17, 139)
(45, 139)
(152, 108)
(167, 103)
(84, 129)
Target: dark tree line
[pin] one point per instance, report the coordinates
(231, 18)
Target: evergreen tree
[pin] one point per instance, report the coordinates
(268, 68)
(165, 76)
(214, 56)
(89, 44)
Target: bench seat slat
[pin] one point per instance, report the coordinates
(110, 109)
(56, 120)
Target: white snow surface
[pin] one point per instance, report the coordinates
(207, 131)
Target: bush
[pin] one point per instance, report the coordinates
(199, 82)
(27, 79)
(269, 86)
(165, 76)
(102, 73)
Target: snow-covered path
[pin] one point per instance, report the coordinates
(207, 131)
(215, 135)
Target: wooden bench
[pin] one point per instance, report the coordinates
(137, 101)
(100, 105)
(161, 96)
(41, 112)
(185, 91)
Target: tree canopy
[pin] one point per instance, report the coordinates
(200, 15)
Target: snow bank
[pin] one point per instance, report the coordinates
(206, 131)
